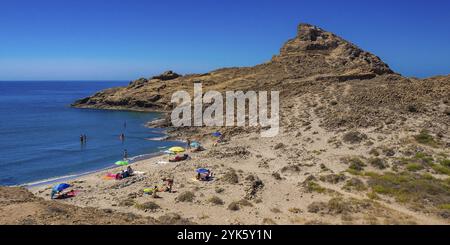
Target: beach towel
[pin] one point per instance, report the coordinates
(109, 176)
(162, 162)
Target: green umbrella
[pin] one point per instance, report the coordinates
(122, 163)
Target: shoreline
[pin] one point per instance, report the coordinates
(39, 183)
(132, 160)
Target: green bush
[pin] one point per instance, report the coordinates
(445, 163)
(415, 189)
(441, 169)
(425, 138)
(414, 167)
(356, 164)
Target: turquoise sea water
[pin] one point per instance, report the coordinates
(40, 132)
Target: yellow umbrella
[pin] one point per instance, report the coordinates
(176, 149)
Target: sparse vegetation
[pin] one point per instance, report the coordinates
(312, 186)
(333, 178)
(426, 139)
(356, 164)
(424, 158)
(374, 152)
(245, 203)
(389, 152)
(275, 210)
(268, 221)
(441, 169)
(414, 167)
(354, 137)
(173, 219)
(147, 206)
(278, 146)
(339, 205)
(234, 206)
(231, 177)
(127, 202)
(355, 184)
(418, 190)
(291, 168)
(216, 200)
(295, 210)
(445, 163)
(219, 190)
(277, 176)
(186, 196)
(377, 163)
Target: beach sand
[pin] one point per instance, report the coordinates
(257, 181)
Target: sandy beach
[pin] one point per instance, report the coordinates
(258, 181)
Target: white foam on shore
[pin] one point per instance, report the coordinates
(157, 138)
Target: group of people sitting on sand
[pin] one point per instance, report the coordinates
(125, 173)
(205, 176)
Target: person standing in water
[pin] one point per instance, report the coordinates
(125, 154)
(84, 138)
(81, 139)
(122, 137)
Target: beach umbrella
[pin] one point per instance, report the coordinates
(122, 163)
(195, 144)
(176, 149)
(60, 187)
(202, 171)
(216, 134)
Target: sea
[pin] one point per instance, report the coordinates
(40, 132)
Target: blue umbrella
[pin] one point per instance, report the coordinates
(202, 171)
(195, 144)
(216, 134)
(60, 187)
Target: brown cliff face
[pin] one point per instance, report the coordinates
(334, 53)
(362, 89)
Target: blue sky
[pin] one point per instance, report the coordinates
(124, 40)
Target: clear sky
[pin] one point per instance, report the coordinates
(124, 40)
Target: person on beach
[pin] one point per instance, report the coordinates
(188, 141)
(169, 184)
(129, 170)
(154, 193)
(125, 154)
